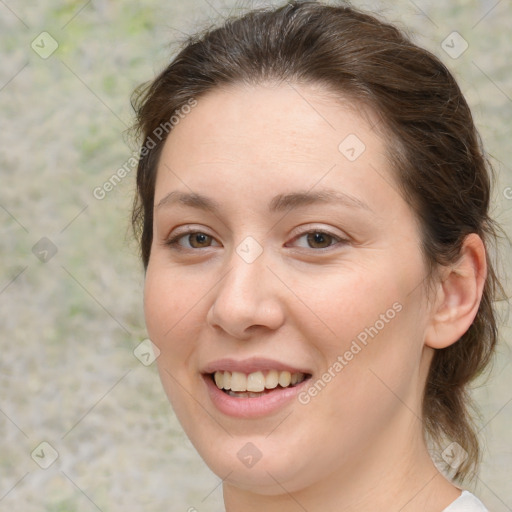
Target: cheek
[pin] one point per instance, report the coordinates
(372, 332)
(350, 301)
(170, 307)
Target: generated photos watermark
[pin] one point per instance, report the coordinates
(158, 134)
(357, 345)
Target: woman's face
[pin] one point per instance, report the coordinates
(282, 245)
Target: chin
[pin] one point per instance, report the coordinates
(256, 464)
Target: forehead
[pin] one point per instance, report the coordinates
(296, 114)
(256, 136)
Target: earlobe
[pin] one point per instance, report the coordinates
(458, 295)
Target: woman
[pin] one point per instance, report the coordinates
(313, 214)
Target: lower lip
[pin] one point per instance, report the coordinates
(251, 407)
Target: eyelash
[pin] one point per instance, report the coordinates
(174, 241)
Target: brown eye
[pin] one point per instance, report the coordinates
(199, 240)
(319, 239)
(191, 240)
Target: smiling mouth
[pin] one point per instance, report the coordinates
(256, 384)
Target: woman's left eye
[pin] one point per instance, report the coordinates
(318, 239)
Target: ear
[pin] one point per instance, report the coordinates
(458, 295)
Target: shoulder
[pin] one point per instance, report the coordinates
(466, 502)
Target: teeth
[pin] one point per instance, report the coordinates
(272, 379)
(238, 382)
(244, 395)
(219, 379)
(284, 379)
(227, 380)
(256, 382)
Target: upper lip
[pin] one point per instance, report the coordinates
(251, 365)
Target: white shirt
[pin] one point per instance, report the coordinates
(466, 502)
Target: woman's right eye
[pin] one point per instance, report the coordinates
(191, 240)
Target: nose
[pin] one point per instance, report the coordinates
(247, 299)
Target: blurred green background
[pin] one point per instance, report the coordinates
(70, 281)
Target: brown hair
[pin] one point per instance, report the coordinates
(433, 147)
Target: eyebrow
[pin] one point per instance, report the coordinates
(278, 203)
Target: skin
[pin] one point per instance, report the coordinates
(358, 444)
